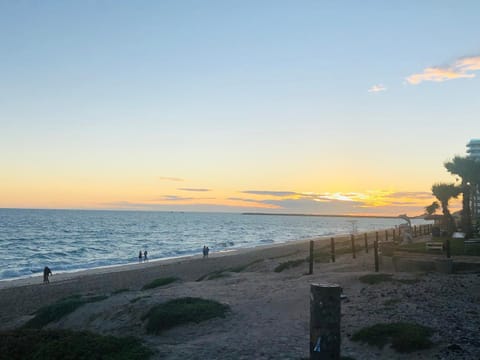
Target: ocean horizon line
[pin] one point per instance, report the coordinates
(219, 212)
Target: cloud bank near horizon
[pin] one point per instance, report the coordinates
(350, 203)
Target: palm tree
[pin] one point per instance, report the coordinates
(444, 192)
(430, 209)
(469, 171)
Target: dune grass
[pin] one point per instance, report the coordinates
(34, 344)
(373, 279)
(56, 311)
(120, 291)
(180, 311)
(289, 264)
(404, 337)
(224, 273)
(159, 282)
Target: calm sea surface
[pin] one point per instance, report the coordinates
(67, 240)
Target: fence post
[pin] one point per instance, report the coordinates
(354, 255)
(366, 243)
(447, 248)
(414, 230)
(325, 321)
(375, 251)
(332, 246)
(386, 235)
(393, 234)
(310, 267)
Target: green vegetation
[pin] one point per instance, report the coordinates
(289, 264)
(218, 275)
(64, 344)
(373, 279)
(56, 311)
(181, 311)
(159, 282)
(404, 337)
(391, 302)
(469, 171)
(456, 247)
(444, 192)
(224, 273)
(119, 291)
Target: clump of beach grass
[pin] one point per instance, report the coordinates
(224, 273)
(56, 311)
(34, 344)
(391, 302)
(373, 279)
(181, 311)
(289, 264)
(120, 291)
(159, 282)
(404, 337)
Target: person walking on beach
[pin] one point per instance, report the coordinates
(140, 256)
(145, 255)
(207, 250)
(204, 251)
(46, 273)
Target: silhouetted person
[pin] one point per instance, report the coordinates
(46, 273)
(145, 255)
(204, 251)
(207, 250)
(140, 256)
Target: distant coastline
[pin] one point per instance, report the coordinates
(325, 215)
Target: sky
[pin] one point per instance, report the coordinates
(321, 107)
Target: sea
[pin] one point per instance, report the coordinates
(73, 240)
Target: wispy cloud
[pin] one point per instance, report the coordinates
(460, 69)
(377, 88)
(270, 193)
(168, 178)
(194, 189)
(172, 198)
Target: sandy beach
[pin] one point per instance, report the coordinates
(269, 316)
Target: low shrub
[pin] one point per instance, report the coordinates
(373, 279)
(224, 273)
(180, 311)
(289, 264)
(56, 311)
(119, 291)
(404, 337)
(159, 282)
(33, 344)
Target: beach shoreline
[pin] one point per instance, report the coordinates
(270, 309)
